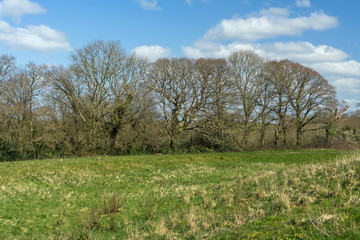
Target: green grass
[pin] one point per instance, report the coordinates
(262, 195)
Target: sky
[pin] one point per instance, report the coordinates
(321, 34)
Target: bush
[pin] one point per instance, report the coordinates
(9, 152)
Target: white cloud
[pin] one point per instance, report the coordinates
(346, 84)
(353, 103)
(39, 38)
(238, 33)
(344, 68)
(209, 49)
(303, 52)
(332, 63)
(149, 4)
(17, 8)
(323, 58)
(303, 3)
(36, 38)
(153, 52)
(269, 23)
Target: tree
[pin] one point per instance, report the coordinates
(22, 97)
(65, 97)
(266, 102)
(7, 71)
(179, 92)
(332, 112)
(98, 67)
(281, 79)
(221, 86)
(104, 89)
(216, 118)
(309, 93)
(130, 101)
(246, 68)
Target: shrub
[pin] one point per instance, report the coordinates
(9, 152)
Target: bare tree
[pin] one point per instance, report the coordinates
(266, 103)
(97, 66)
(332, 112)
(246, 68)
(65, 97)
(7, 71)
(281, 79)
(22, 96)
(179, 92)
(221, 86)
(309, 93)
(104, 88)
(216, 116)
(131, 102)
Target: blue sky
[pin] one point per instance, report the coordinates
(321, 34)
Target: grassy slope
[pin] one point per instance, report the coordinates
(264, 195)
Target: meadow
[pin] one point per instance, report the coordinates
(312, 194)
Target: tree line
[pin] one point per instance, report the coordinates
(106, 101)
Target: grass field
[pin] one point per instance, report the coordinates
(262, 195)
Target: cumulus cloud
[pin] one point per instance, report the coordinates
(149, 4)
(209, 49)
(346, 84)
(353, 103)
(17, 8)
(36, 38)
(153, 52)
(269, 23)
(243, 33)
(39, 38)
(344, 68)
(323, 58)
(303, 3)
(304, 52)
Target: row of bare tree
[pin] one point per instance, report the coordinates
(108, 102)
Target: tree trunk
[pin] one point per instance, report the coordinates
(328, 136)
(246, 131)
(171, 142)
(276, 137)
(113, 135)
(246, 137)
(262, 137)
(299, 134)
(284, 136)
